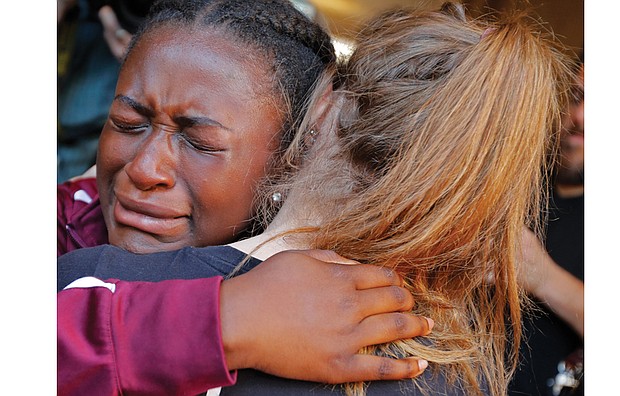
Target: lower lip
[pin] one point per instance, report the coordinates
(148, 224)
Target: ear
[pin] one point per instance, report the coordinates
(326, 126)
(320, 116)
(321, 108)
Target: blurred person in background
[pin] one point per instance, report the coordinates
(553, 273)
(92, 39)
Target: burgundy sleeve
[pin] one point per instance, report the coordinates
(141, 338)
(67, 206)
(64, 203)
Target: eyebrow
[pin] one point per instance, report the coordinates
(140, 108)
(190, 121)
(183, 121)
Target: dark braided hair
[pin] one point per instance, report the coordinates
(295, 50)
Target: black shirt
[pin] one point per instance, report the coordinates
(548, 339)
(110, 262)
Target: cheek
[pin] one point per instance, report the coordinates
(221, 211)
(106, 151)
(226, 192)
(224, 197)
(114, 152)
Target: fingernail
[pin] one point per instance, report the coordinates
(422, 364)
(431, 323)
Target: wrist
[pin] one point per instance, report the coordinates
(546, 284)
(543, 273)
(232, 324)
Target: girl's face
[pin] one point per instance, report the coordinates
(189, 134)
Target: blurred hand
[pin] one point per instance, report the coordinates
(542, 277)
(117, 38)
(304, 315)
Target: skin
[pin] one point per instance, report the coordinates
(185, 142)
(358, 305)
(569, 181)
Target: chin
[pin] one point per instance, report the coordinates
(145, 244)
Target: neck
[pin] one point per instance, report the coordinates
(308, 202)
(274, 239)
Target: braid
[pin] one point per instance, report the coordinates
(296, 25)
(298, 48)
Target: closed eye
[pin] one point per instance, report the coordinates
(198, 145)
(127, 127)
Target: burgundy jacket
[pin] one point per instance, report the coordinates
(142, 338)
(80, 220)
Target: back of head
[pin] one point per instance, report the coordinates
(446, 127)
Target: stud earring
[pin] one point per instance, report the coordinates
(276, 197)
(312, 136)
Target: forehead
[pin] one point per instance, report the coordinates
(193, 59)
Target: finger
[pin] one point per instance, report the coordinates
(365, 276)
(387, 299)
(108, 19)
(368, 276)
(375, 368)
(328, 256)
(379, 329)
(123, 37)
(117, 38)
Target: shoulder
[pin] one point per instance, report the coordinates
(72, 196)
(87, 186)
(79, 218)
(225, 259)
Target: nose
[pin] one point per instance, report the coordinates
(154, 165)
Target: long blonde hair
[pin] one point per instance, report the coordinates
(445, 134)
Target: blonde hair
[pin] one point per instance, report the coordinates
(442, 147)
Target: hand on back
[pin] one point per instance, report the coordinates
(305, 315)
